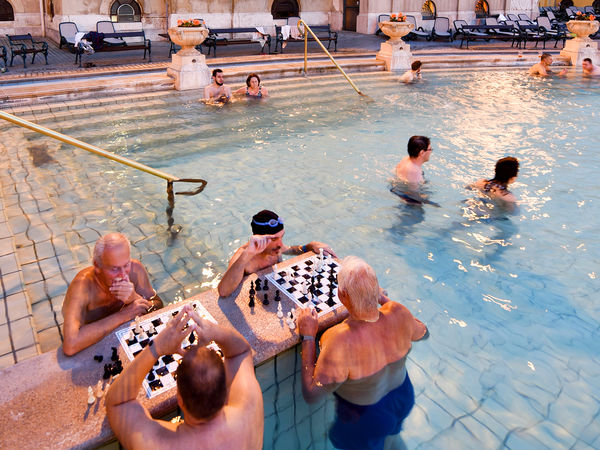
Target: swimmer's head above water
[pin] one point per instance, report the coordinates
(419, 146)
(506, 169)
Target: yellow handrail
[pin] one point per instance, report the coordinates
(301, 22)
(90, 148)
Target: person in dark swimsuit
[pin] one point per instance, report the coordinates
(507, 170)
(253, 88)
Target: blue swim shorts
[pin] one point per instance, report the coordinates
(363, 427)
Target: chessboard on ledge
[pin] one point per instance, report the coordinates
(310, 281)
(133, 339)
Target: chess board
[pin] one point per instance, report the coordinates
(289, 281)
(163, 375)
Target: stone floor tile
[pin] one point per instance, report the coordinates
(6, 246)
(22, 333)
(26, 353)
(39, 233)
(49, 267)
(49, 339)
(44, 249)
(31, 273)
(26, 254)
(89, 236)
(2, 314)
(43, 317)
(8, 263)
(17, 306)
(57, 303)
(29, 206)
(60, 246)
(37, 292)
(56, 286)
(12, 212)
(7, 360)
(21, 240)
(4, 340)
(4, 231)
(12, 283)
(67, 262)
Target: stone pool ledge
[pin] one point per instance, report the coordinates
(43, 401)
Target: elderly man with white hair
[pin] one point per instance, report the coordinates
(113, 291)
(362, 360)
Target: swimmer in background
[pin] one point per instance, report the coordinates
(253, 88)
(410, 168)
(217, 91)
(589, 69)
(506, 172)
(542, 68)
(413, 74)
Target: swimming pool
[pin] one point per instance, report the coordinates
(509, 298)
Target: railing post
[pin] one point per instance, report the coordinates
(305, 51)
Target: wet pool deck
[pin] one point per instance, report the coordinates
(42, 247)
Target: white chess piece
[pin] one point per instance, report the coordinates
(279, 311)
(99, 390)
(91, 398)
(151, 329)
(304, 288)
(143, 335)
(138, 327)
(292, 324)
(130, 336)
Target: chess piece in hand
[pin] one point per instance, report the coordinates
(257, 244)
(308, 323)
(169, 340)
(316, 247)
(137, 307)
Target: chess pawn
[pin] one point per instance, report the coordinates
(279, 311)
(292, 324)
(143, 335)
(91, 398)
(99, 390)
(138, 327)
(266, 299)
(151, 329)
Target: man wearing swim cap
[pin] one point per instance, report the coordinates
(264, 249)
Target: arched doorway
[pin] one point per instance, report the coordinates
(482, 9)
(6, 11)
(125, 11)
(282, 9)
(428, 10)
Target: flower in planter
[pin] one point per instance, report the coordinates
(583, 16)
(190, 23)
(398, 17)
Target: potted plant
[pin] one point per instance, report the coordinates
(396, 28)
(583, 25)
(188, 34)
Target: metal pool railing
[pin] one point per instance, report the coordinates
(304, 32)
(120, 159)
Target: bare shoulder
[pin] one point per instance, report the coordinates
(81, 282)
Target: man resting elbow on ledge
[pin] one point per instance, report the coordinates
(113, 291)
(362, 360)
(264, 249)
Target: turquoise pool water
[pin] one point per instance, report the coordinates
(511, 300)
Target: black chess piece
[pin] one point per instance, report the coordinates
(330, 300)
(252, 292)
(266, 299)
(192, 338)
(258, 286)
(150, 376)
(107, 371)
(114, 355)
(98, 358)
(277, 296)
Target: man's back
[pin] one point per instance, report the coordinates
(408, 171)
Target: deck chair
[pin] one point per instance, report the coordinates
(525, 17)
(466, 34)
(532, 32)
(589, 10)
(557, 34)
(105, 26)
(441, 29)
(381, 18)
(512, 17)
(417, 32)
(570, 12)
(504, 34)
(67, 31)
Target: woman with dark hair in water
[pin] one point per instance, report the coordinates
(253, 88)
(507, 170)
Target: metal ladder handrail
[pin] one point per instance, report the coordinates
(120, 159)
(303, 23)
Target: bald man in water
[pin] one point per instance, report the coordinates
(113, 291)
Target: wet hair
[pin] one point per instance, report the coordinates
(201, 382)
(544, 56)
(416, 65)
(587, 60)
(506, 168)
(216, 71)
(358, 281)
(416, 144)
(252, 75)
(107, 241)
(260, 219)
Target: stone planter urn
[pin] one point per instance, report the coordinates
(576, 50)
(396, 30)
(187, 38)
(395, 53)
(583, 28)
(188, 66)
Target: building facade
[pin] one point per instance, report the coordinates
(42, 17)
